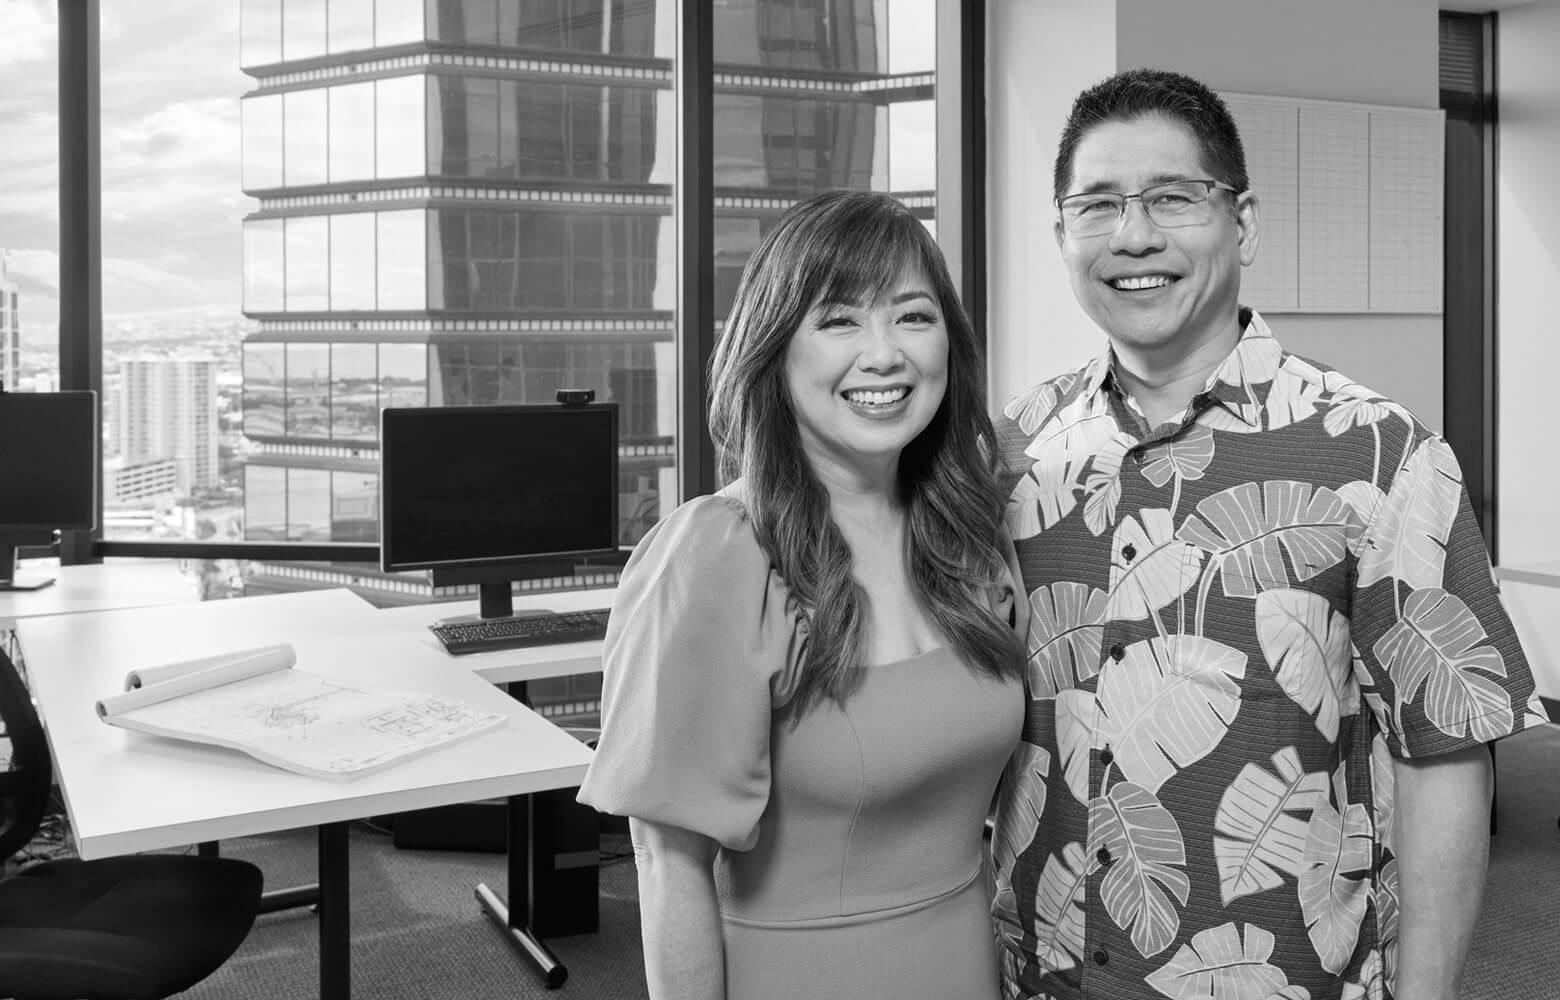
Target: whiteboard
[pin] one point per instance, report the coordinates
(1350, 200)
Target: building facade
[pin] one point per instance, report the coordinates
(166, 409)
(10, 331)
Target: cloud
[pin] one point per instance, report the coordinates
(31, 32)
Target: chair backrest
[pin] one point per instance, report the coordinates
(25, 786)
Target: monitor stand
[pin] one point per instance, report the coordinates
(11, 578)
(494, 600)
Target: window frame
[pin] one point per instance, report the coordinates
(960, 199)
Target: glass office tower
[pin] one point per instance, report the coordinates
(470, 201)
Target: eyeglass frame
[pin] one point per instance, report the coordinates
(1211, 184)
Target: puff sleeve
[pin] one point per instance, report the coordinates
(701, 648)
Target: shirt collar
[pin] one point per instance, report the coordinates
(1232, 384)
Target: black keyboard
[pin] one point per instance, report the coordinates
(548, 628)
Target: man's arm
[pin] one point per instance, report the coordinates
(1441, 838)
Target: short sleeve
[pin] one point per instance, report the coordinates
(1438, 659)
(701, 648)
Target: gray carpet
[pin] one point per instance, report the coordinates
(418, 932)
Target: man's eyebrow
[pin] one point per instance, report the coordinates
(1154, 181)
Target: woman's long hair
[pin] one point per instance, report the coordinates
(850, 246)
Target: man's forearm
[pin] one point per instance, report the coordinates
(1441, 837)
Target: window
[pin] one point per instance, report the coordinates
(340, 211)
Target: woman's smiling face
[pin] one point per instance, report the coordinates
(866, 378)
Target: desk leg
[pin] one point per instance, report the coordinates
(272, 900)
(520, 852)
(335, 914)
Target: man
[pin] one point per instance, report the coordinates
(1267, 650)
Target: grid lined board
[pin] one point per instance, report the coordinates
(1350, 202)
(1270, 131)
(1334, 210)
(1407, 164)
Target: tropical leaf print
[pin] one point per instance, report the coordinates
(1065, 627)
(1308, 647)
(1159, 719)
(1102, 489)
(1080, 427)
(1031, 408)
(1075, 712)
(1145, 843)
(1335, 885)
(1041, 498)
(1255, 358)
(1293, 991)
(1364, 500)
(1371, 985)
(1058, 922)
(1407, 542)
(1185, 457)
(1291, 399)
(1344, 413)
(1216, 964)
(1020, 804)
(1149, 566)
(1246, 526)
(1232, 418)
(1388, 913)
(1383, 790)
(1438, 644)
(1259, 838)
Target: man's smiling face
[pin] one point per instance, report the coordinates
(1160, 294)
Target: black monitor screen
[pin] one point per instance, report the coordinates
(48, 461)
(468, 487)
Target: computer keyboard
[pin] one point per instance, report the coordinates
(547, 628)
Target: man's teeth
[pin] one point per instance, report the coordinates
(1141, 282)
(872, 397)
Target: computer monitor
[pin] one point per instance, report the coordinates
(488, 495)
(48, 473)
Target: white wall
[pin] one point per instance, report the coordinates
(1527, 276)
(1043, 52)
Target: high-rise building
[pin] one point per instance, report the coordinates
(470, 201)
(10, 331)
(166, 408)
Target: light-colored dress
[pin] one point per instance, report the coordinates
(850, 843)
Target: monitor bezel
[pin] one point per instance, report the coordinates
(89, 522)
(494, 569)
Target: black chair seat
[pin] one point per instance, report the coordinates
(128, 928)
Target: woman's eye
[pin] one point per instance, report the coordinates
(834, 321)
(918, 318)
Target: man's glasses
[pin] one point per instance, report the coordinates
(1179, 203)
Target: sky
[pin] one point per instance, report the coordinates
(171, 201)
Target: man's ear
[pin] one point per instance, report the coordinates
(1248, 219)
(1056, 230)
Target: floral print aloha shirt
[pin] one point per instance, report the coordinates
(1240, 618)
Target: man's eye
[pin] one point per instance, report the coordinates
(1097, 207)
(1172, 199)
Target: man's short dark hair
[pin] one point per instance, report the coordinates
(1136, 93)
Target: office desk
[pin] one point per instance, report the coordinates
(123, 583)
(509, 666)
(130, 792)
(1531, 593)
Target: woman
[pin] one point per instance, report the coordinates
(812, 678)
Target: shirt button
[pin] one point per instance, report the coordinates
(1106, 757)
(1117, 652)
(1100, 957)
(1103, 854)
(1129, 552)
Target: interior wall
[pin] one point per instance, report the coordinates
(1041, 54)
(1527, 273)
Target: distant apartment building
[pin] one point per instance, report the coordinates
(141, 484)
(10, 331)
(165, 409)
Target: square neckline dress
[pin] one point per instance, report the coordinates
(850, 860)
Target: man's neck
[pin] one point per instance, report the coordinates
(1163, 384)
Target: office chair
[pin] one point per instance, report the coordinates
(139, 927)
